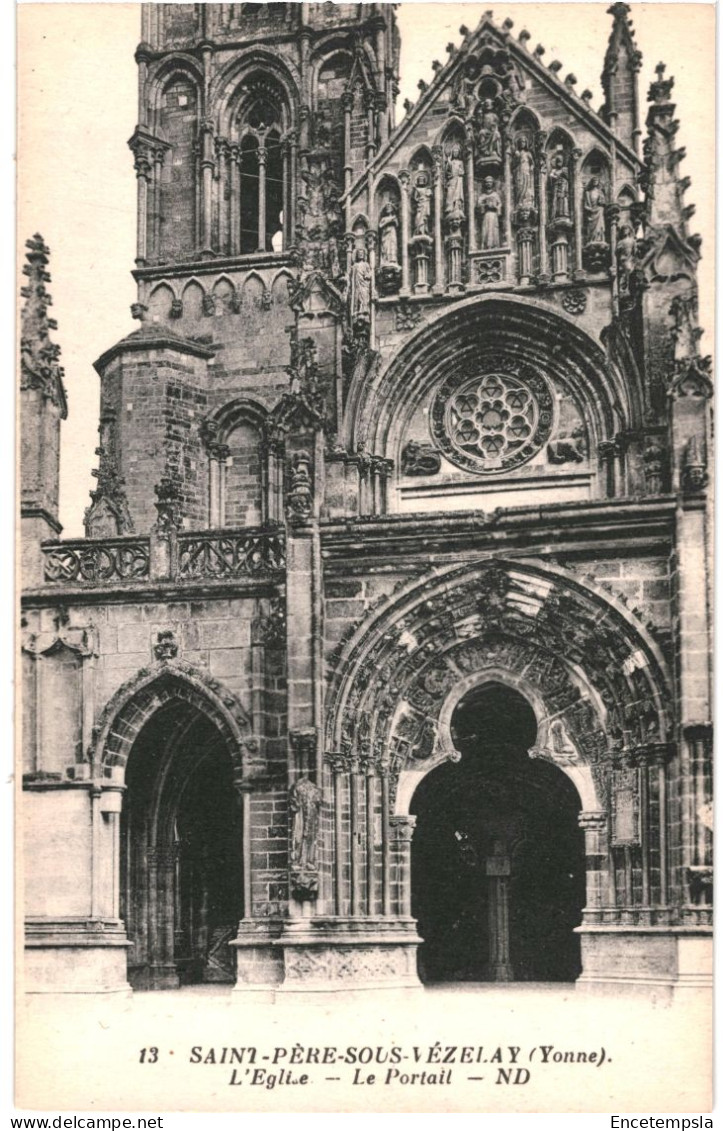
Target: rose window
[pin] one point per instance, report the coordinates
(494, 421)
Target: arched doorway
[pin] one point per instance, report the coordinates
(181, 860)
(498, 866)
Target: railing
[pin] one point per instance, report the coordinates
(239, 553)
(173, 556)
(113, 559)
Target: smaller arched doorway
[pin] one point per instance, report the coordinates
(498, 865)
(181, 858)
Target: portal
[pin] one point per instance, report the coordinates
(498, 865)
(181, 879)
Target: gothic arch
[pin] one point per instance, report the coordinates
(226, 89)
(159, 80)
(599, 678)
(544, 338)
(138, 700)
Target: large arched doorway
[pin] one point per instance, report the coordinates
(181, 861)
(498, 866)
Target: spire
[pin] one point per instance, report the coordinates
(664, 188)
(620, 78)
(39, 366)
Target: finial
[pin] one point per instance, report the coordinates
(570, 81)
(555, 66)
(436, 66)
(524, 36)
(464, 31)
(508, 24)
(539, 51)
(422, 85)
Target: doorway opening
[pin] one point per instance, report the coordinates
(498, 864)
(181, 864)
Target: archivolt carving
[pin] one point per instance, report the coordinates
(596, 679)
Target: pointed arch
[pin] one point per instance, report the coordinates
(140, 697)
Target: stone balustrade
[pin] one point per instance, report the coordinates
(174, 556)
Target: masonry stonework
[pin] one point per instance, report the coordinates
(393, 608)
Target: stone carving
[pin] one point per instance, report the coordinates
(39, 356)
(389, 234)
(169, 504)
(300, 499)
(694, 475)
(654, 466)
(421, 204)
(595, 244)
(420, 459)
(176, 308)
(559, 189)
(360, 290)
(454, 184)
(304, 807)
(492, 421)
(489, 206)
(490, 270)
(524, 178)
(489, 137)
(126, 561)
(567, 448)
(269, 628)
(574, 301)
(407, 316)
(165, 647)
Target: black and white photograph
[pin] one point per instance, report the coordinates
(365, 470)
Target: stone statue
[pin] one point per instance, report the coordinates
(420, 459)
(389, 234)
(304, 804)
(593, 205)
(490, 207)
(560, 182)
(568, 448)
(454, 183)
(524, 176)
(422, 204)
(626, 249)
(360, 289)
(489, 138)
(300, 499)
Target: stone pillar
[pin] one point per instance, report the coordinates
(595, 825)
(438, 248)
(386, 862)
(404, 182)
(337, 762)
(498, 869)
(262, 156)
(544, 272)
(525, 240)
(454, 241)
(235, 178)
(371, 248)
(577, 212)
(403, 830)
(471, 222)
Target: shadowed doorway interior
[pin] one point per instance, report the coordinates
(181, 878)
(498, 866)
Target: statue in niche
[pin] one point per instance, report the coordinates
(524, 176)
(389, 234)
(360, 288)
(422, 204)
(304, 803)
(420, 459)
(626, 249)
(454, 184)
(490, 207)
(489, 138)
(560, 182)
(593, 206)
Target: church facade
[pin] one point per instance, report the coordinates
(385, 659)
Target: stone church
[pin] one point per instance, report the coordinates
(385, 658)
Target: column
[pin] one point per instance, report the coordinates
(403, 830)
(337, 763)
(471, 222)
(612, 213)
(404, 182)
(594, 822)
(355, 836)
(347, 101)
(143, 173)
(544, 274)
(207, 189)
(371, 246)
(577, 212)
(155, 244)
(498, 869)
(507, 190)
(370, 782)
(386, 863)
(96, 892)
(262, 155)
(235, 176)
(525, 240)
(438, 248)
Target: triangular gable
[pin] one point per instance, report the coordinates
(505, 55)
